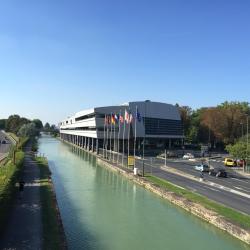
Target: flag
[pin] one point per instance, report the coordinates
(126, 116)
(106, 120)
(113, 119)
(121, 119)
(116, 117)
(138, 116)
(130, 118)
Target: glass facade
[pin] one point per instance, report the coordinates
(156, 126)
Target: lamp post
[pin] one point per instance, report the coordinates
(242, 129)
(247, 145)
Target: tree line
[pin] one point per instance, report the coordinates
(23, 127)
(223, 126)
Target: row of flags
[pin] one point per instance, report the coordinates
(112, 119)
(116, 118)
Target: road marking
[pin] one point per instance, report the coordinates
(192, 189)
(243, 189)
(239, 180)
(209, 183)
(216, 190)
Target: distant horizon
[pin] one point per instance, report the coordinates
(73, 113)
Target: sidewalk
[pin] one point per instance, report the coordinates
(24, 229)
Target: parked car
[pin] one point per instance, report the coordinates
(3, 142)
(202, 168)
(240, 162)
(172, 154)
(229, 162)
(188, 156)
(218, 172)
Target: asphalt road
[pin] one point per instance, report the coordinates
(4, 148)
(225, 197)
(234, 180)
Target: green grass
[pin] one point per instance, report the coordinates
(51, 228)
(9, 174)
(232, 215)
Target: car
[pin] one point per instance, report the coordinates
(229, 162)
(3, 142)
(188, 156)
(202, 168)
(218, 172)
(241, 162)
(172, 154)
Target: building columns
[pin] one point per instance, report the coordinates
(97, 146)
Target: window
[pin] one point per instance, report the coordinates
(156, 126)
(80, 118)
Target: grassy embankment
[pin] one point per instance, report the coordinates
(9, 175)
(52, 235)
(232, 215)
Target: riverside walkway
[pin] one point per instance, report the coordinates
(24, 229)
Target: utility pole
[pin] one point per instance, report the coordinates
(247, 146)
(242, 129)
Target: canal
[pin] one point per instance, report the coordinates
(103, 210)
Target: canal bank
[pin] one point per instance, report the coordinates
(195, 208)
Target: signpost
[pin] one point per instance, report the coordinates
(131, 161)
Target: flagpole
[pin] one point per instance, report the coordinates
(110, 150)
(128, 136)
(114, 142)
(107, 138)
(135, 134)
(123, 143)
(104, 135)
(118, 139)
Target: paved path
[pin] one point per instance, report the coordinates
(24, 230)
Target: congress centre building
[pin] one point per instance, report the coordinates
(156, 124)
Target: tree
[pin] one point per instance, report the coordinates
(2, 123)
(224, 121)
(15, 122)
(46, 126)
(185, 113)
(38, 123)
(239, 150)
(28, 130)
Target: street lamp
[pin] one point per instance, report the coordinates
(242, 129)
(247, 145)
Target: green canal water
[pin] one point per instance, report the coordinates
(102, 210)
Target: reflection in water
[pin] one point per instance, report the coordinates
(102, 210)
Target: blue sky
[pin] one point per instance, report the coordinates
(58, 57)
